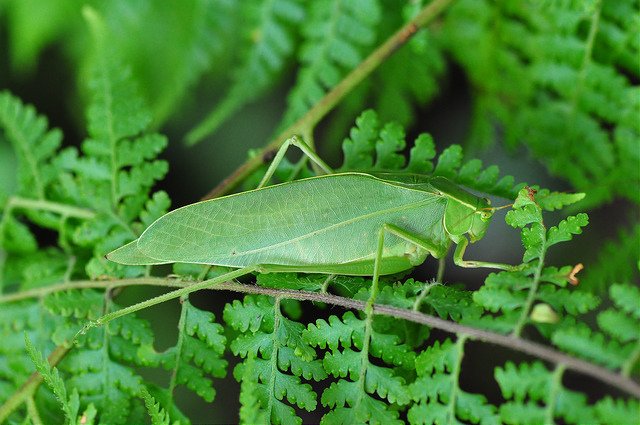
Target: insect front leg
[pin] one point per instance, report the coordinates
(462, 242)
(306, 149)
(433, 249)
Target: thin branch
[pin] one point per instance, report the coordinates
(517, 344)
(333, 97)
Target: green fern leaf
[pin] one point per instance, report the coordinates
(573, 302)
(566, 228)
(197, 353)
(271, 347)
(353, 397)
(616, 411)
(582, 342)
(521, 381)
(529, 388)
(348, 407)
(250, 412)
(449, 161)
(335, 332)
(551, 201)
(33, 143)
(575, 79)
(615, 262)
(70, 404)
(503, 291)
(336, 35)
(436, 390)
(100, 367)
(16, 319)
(375, 147)
(270, 42)
(118, 168)
(157, 414)
(411, 76)
(627, 298)
(618, 325)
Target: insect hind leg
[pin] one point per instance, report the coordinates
(306, 150)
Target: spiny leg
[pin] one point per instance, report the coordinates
(462, 243)
(306, 149)
(461, 247)
(434, 250)
(166, 297)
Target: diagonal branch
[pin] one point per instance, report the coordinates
(305, 124)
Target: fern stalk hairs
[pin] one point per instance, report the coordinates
(86, 340)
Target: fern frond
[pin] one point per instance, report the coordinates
(272, 345)
(100, 367)
(534, 395)
(336, 35)
(616, 411)
(269, 26)
(70, 404)
(436, 392)
(567, 101)
(513, 293)
(34, 144)
(198, 352)
(119, 166)
(372, 146)
(16, 320)
(616, 261)
(157, 414)
(353, 398)
(191, 38)
(620, 346)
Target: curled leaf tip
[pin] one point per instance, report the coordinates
(572, 275)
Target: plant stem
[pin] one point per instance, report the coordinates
(43, 205)
(277, 317)
(627, 366)
(455, 375)
(181, 332)
(533, 291)
(556, 383)
(332, 98)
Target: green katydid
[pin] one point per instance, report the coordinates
(340, 223)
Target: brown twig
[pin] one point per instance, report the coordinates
(331, 99)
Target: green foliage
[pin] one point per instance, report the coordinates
(336, 34)
(157, 414)
(616, 260)
(70, 404)
(269, 43)
(353, 398)
(558, 78)
(436, 390)
(197, 353)
(538, 67)
(618, 346)
(372, 146)
(514, 292)
(276, 358)
(536, 395)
